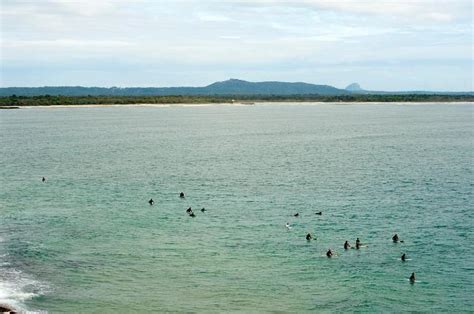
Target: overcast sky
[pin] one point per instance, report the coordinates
(381, 44)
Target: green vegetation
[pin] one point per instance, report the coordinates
(48, 100)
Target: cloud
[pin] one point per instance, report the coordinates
(276, 36)
(67, 43)
(419, 10)
(207, 17)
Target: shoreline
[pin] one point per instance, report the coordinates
(264, 103)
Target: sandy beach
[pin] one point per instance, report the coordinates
(269, 103)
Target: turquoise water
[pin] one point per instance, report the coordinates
(87, 240)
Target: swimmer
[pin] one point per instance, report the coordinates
(346, 245)
(308, 237)
(296, 215)
(181, 195)
(151, 201)
(288, 226)
(329, 253)
(189, 210)
(192, 214)
(203, 209)
(357, 243)
(412, 278)
(395, 238)
(403, 258)
(319, 213)
(44, 179)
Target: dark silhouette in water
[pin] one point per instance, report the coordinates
(5, 308)
(296, 215)
(151, 201)
(192, 214)
(395, 238)
(319, 213)
(403, 258)
(329, 253)
(357, 243)
(181, 195)
(189, 210)
(44, 179)
(308, 237)
(203, 209)
(412, 278)
(346, 245)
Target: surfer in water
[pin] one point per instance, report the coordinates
(192, 214)
(296, 215)
(44, 179)
(189, 210)
(309, 237)
(288, 226)
(181, 195)
(151, 201)
(319, 213)
(403, 258)
(346, 245)
(412, 278)
(329, 253)
(395, 238)
(203, 209)
(357, 243)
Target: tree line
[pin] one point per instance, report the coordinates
(49, 100)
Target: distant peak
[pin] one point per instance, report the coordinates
(231, 81)
(354, 87)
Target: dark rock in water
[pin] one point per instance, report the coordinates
(5, 308)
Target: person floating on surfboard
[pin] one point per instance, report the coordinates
(44, 179)
(346, 245)
(309, 237)
(329, 253)
(357, 243)
(151, 201)
(181, 195)
(395, 238)
(412, 278)
(403, 258)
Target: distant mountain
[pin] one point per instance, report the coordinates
(354, 87)
(240, 87)
(229, 87)
(225, 88)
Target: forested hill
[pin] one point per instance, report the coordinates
(232, 87)
(229, 87)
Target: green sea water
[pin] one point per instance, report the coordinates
(86, 240)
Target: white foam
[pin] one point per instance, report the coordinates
(16, 288)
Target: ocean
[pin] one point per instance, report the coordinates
(87, 240)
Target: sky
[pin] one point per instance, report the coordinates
(380, 44)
